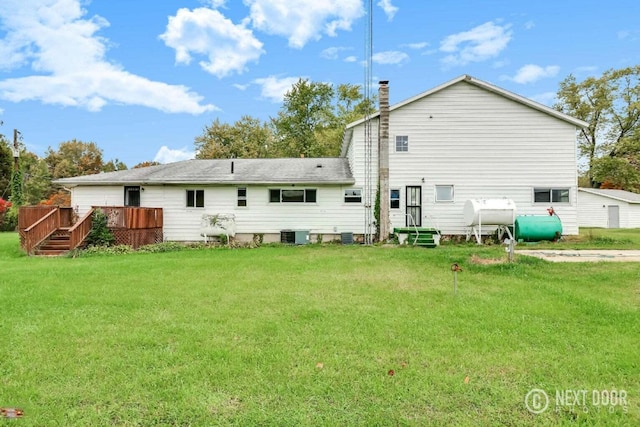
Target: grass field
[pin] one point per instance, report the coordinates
(316, 335)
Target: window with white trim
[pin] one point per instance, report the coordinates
(394, 198)
(444, 193)
(402, 143)
(551, 195)
(292, 195)
(353, 195)
(242, 196)
(195, 198)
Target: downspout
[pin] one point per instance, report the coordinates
(383, 160)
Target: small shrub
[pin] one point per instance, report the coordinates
(100, 235)
(9, 219)
(258, 238)
(163, 247)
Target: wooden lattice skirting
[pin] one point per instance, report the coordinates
(137, 237)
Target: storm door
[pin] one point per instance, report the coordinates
(414, 206)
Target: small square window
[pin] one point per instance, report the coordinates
(402, 143)
(394, 199)
(310, 196)
(242, 196)
(444, 193)
(195, 198)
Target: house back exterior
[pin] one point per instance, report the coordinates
(465, 139)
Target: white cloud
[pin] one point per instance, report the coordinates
(332, 52)
(240, 87)
(529, 25)
(416, 46)
(389, 9)
(54, 38)
(303, 20)
(478, 44)
(228, 47)
(215, 4)
(168, 155)
(274, 88)
(390, 57)
(532, 73)
(350, 59)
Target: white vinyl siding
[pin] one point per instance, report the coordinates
(486, 146)
(328, 215)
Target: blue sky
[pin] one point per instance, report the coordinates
(143, 78)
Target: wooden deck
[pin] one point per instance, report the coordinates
(53, 230)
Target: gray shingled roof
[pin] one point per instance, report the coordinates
(625, 196)
(245, 171)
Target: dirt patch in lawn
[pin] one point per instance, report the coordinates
(586, 255)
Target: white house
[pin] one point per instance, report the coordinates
(608, 208)
(468, 139)
(265, 196)
(464, 139)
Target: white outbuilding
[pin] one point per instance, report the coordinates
(608, 208)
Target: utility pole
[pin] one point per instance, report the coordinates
(16, 176)
(16, 151)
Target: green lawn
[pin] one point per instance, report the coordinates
(308, 336)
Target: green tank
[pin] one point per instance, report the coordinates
(534, 228)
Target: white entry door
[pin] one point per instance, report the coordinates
(614, 216)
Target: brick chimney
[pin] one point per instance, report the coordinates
(383, 160)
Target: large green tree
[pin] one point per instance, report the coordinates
(310, 123)
(36, 178)
(74, 158)
(114, 165)
(313, 116)
(305, 116)
(246, 138)
(610, 145)
(6, 166)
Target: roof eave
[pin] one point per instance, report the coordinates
(608, 196)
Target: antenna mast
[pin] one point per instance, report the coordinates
(369, 195)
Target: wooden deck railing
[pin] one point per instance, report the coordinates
(132, 226)
(80, 230)
(43, 228)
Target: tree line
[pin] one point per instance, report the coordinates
(311, 122)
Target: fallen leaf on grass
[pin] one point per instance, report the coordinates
(391, 372)
(319, 365)
(466, 379)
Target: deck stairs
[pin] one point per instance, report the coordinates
(419, 236)
(56, 244)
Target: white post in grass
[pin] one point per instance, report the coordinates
(455, 268)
